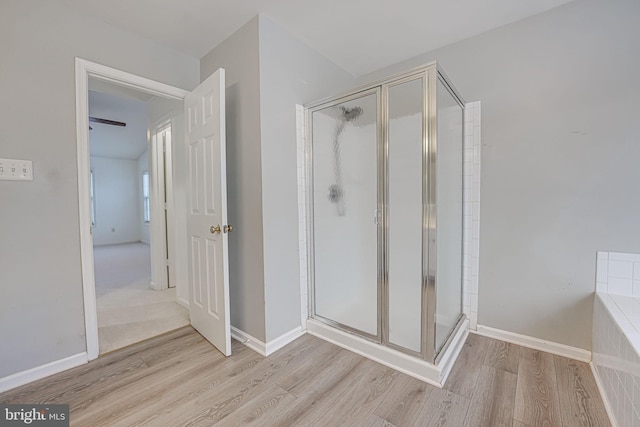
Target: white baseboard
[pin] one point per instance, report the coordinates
(605, 398)
(535, 343)
(183, 302)
(39, 372)
(262, 348)
(124, 242)
(253, 343)
(284, 339)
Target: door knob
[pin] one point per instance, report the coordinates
(228, 228)
(215, 229)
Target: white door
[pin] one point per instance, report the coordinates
(207, 217)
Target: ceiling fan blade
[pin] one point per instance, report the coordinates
(106, 122)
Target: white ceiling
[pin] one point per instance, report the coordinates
(128, 142)
(361, 36)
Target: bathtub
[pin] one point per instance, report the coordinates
(616, 335)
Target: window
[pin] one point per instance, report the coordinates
(92, 192)
(145, 196)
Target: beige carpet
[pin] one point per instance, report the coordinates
(128, 310)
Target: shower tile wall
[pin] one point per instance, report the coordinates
(471, 208)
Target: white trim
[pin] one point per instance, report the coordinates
(603, 394)
(124, 242)
(253, 343)
(262, 348)
(43, 371)
(284, 339)
(158, 230)
(183, 302)
(404, 363)
(84, 208)
(302, 216)
(453, 350)
(535, 343)
(84, 70)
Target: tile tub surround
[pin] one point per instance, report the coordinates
(616, 356)
(616, 334)
(618, 273)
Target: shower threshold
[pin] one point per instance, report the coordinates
(420, 369)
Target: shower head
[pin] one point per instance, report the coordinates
(350, 114)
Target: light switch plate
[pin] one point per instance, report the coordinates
(16, 170)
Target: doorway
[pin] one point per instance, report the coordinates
(200, 252)
(131, 214)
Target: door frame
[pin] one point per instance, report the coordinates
(161, 191)
(85, 69)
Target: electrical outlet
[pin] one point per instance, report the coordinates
(16, 170)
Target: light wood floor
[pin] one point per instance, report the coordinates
(180, 379)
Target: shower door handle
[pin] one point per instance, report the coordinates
(377, 216)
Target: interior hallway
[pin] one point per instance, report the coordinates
(130, 311)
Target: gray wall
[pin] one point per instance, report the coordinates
(238, 55)
(41, 308)
(560, 154)
(268, 72)
(290, 73)
(118, 195)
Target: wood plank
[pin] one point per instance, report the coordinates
(494, 399)
(580, 400)
(264, 409)
(353, 406)
(464, 375)
(305, 409)
(296, 381)
(325, 373)
(443, 409)
(179, 378)
(376, 421)
(502, 355)
(138, 395)
(212, 402)
(405, 401)
(537, 402)
(87, 378)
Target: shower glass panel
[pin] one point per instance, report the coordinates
(449, 213)
(405, 213)
(345, 212)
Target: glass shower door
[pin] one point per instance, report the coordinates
(404, 213)
(346, 212)
(449, 214)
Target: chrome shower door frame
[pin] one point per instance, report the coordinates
(430, 74)
(309, 110)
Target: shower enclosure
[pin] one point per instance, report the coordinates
(385, 203)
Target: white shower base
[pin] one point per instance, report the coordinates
(413, 366)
